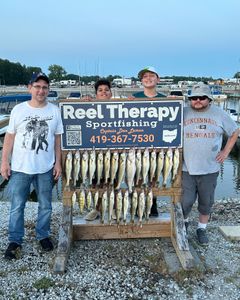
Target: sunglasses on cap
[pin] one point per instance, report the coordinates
(195, 98)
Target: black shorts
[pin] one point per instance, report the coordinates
(201, 187)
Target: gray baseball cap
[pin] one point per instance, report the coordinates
(201, 89)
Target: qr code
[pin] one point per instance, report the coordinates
(74, 138)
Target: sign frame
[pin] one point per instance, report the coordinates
(122, 123)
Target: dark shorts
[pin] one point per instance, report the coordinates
(201, 188)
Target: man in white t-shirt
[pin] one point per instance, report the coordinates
(33, 143)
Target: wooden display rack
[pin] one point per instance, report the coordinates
(166, 225)
(169, 225)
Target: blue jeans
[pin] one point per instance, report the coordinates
(19, 188)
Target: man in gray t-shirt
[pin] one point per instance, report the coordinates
(204, 126)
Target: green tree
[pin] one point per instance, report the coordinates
(57, 72)
(237, 75)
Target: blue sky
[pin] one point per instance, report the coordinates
(178, 37)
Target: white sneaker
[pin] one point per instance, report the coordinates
(92, 215)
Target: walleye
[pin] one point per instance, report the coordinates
(81, 200)
(99, 167)
(125, 206)
(138, 166)
(84, 166)
(168, 162)
(145, 166)
(160, 163)
(104, 205)
(175, 163)
(89, 199)
(95, 199)
(68, 168)
(121, 169)
(114, 166)
(92, 165)
(134, 205)
(130, 169)
(74, 199)
(141, 206)
(110, 206)
(149, 203)
(153, 165)
(119, 206)
(76, 167)
(107, 158)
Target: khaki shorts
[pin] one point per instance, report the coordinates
(198, 187)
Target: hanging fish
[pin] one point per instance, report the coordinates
(175, 163)
(110, 206)
(92, 165)
(89, 200)
(114, 166)
(153, 165)
(130, 169)
(104, 205)
(82, 200)
(119, 206)
(99, 166)
(145, 166)
(138, 166)
(68, 168)
(141, 206)
(76, 167)
(107, 158)
(121, 169)
(168, 163)
(95, 199)
(134, 204)
(149, 203)
(125, 206)
(74, 199)
(160, 163)
(84, 166)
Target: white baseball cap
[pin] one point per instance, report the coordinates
(147, 69)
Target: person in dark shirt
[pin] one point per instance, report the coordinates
(149, 79)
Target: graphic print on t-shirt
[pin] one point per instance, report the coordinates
(36, 133)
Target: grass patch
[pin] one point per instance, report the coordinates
(191, 274)
(43, 283)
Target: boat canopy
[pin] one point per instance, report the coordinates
(15, 98)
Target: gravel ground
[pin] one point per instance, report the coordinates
(123, 269)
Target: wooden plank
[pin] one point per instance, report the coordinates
(185, 257)
(90, 231)
(179, 230)
(64, 241)
(102, 232)
(231, 233)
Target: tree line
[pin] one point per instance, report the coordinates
(16, 74)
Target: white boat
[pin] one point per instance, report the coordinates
(4, 120)
(233, 114)
(217, 93)
(176, 94)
